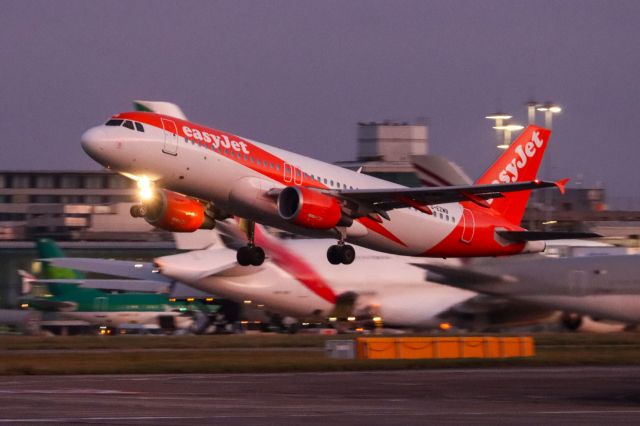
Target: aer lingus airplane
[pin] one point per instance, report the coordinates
(192, 175)
(61, 290)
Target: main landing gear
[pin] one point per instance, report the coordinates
(250, 254)
(341, 252)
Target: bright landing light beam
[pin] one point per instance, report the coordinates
(145, 188)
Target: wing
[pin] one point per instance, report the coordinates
(139, 286)
(381, 200)
(461, 276)
(118, 268)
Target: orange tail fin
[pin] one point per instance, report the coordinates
(519, 163)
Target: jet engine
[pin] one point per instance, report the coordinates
(174, 212)
(311, 209)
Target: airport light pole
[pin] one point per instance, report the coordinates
(500, 118)
(549, 109)
(507, 130)
(531, 112)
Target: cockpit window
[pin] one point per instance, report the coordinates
(128, 124)
(113, 122)
(139, 127)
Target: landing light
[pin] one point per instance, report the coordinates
(145, 187)
(445, 326)
(550, 222)
(502, 146)
(24, 305)
(247, 302)
(377, 319)
(351, 318)
(333, 319)
(138, 265)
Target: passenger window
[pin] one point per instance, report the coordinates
(331, 184)
(128, 124)
(325, 180)
(246, 157)
(271, 165)
(278, 167)
(139, 127)
(114, 122)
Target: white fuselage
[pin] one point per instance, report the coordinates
(242, 179)
(385, 285)
(117, 318)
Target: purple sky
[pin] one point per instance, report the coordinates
(300, 74)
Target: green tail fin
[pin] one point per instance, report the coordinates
(48, 249)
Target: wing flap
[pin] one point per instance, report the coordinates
(524, 236)
(392, 198)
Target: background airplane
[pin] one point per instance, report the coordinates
(602, 287)
(380, 289)
(65, 291)
(225, 174)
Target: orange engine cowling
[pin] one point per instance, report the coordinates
(311, 209)
(177, 213)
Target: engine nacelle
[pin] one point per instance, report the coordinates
(176, 212)
(311, 209)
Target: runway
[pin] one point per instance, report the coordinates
(576, 395)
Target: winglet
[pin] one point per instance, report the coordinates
(561, 184)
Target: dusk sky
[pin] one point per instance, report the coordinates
(300, 75)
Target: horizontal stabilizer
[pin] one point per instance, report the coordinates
(459, 276)
(524, 236)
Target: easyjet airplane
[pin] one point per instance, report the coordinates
(191, 175)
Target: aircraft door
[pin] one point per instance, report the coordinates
(468, 226)
(170, 137)
(288, 172)
(297, 176)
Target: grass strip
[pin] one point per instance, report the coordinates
(251, 361)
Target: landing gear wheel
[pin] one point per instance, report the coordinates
(250, 255)
(243, 256)
(341, 254)
(257, 256)
(348, 254)
(334, 255)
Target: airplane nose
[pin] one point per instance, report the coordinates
(93, 141)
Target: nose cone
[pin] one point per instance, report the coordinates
(93, 143)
